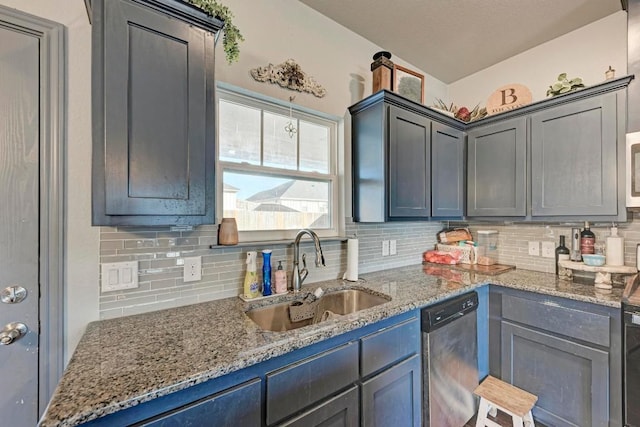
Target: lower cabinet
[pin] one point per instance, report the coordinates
(238, 406)
(376, 368)
(342, 410)
(394, 397)
(566, 352)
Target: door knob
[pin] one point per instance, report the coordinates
(13, 294)
(12, 332)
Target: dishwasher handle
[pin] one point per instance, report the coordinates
(441, 314)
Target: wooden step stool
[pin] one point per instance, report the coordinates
(496, 394)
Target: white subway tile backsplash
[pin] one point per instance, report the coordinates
(223, 269)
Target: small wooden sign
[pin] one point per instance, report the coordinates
(508, 97)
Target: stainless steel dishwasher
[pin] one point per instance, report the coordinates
(449, 361)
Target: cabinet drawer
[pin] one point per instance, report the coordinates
(389, 345)
(310, 380)
(342, 410)
(239, 405)
(579, 324)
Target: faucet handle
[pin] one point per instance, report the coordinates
(304, 272)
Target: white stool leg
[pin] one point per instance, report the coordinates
(517, 421)
(528, 420)
(483, 409)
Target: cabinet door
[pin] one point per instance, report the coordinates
(339, 411)
(153, 100)
(447, 172)
(394, 397)
(238, 406)
(497, 167)
(574, 160)
(302, 384)
(409, 164)
(571, 380)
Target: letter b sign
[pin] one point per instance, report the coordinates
(508, 97)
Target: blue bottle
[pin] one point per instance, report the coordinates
(266, 272)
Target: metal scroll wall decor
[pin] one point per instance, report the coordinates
(289, 75)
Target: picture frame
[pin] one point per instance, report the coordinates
(408, 83)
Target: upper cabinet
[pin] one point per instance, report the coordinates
(497, 169)
(559, 159)
(153, 113)
(555, 160)
(574, 159)
(406, 165)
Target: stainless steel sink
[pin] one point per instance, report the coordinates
(276, 317)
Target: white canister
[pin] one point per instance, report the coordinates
(615, 248)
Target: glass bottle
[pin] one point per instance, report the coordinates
(587, 240)
(562, 253)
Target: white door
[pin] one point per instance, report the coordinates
(20, 123)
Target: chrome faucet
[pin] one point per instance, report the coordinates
(298, 276)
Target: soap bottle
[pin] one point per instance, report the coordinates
(251, 285)
(281, 279)
(266, 272)
(562, 253)
(615, 248)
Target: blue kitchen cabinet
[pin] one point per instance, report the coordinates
(566, 352)
(153, 113)
(239, 406)
(407, 161)
(324, 384)
(575, 149)
(394, 397)
(497, 169)
(555, 160)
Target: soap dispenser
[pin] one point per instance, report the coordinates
(615, 248)
(281, 279)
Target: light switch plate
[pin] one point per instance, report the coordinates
(392, 247)
(548, 249)
(385, 248)
(534, 248)
(192, 269)
(119, 275)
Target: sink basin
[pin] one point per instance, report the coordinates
(276, 317)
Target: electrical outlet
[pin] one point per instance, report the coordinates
(548, 250)
(534, 248)
(385, 248)
(192, 269)
(392, 247)
(119, 275)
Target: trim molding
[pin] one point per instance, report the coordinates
(52, 144)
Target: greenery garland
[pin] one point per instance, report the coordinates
(231, 37)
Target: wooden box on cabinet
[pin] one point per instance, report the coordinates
(153, 113)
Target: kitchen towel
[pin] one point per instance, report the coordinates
(352, 261)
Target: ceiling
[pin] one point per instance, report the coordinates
(451, 39)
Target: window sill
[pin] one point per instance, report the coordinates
(287, 242)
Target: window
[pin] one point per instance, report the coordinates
(278, 168)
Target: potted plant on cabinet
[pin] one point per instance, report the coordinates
(232, 36)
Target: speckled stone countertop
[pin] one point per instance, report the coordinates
(122, 362)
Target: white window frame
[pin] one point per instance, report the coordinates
(272, 105)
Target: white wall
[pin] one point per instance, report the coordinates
(586, 52)
(338, 59)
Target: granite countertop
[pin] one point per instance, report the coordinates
(122, 362)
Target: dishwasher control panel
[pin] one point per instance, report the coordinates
(440, 314)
